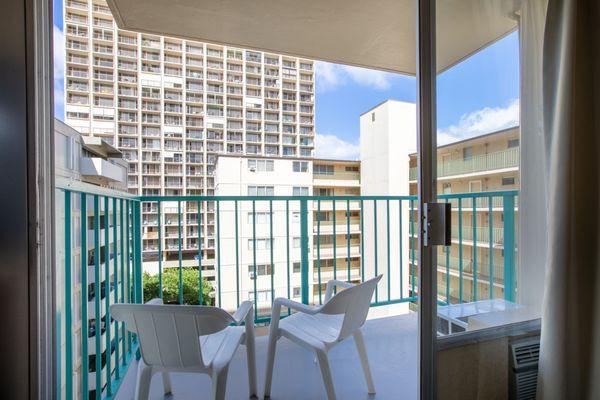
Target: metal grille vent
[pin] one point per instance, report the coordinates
(523, 372)
(526, 354)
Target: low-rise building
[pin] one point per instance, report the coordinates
(482, 164)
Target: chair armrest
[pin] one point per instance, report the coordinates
(294, 305)
(333, 283)
(243, 312)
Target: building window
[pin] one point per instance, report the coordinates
(324, 192)
(467, 153)
(296, 242)
(261, 191)
(261, 217)
(372, 117)
(300, 191)
(297, 292)
(297, 268)
(508, 181)
(261, 270)
(323, 240)
(324, 216)
(323, 169)
(262, 296)
(300, 166)
(513, 143)
(351, 168)
(261, 244)
(261, 165)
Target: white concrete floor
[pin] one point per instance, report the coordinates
(391, 343)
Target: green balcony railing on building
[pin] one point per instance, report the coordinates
(257, 248)
(508, 158)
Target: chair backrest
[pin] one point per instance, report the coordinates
(354, 303)
(169, 334)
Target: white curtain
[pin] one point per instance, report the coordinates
(570, 352)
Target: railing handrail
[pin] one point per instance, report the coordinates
(499, 193)
(505, 158)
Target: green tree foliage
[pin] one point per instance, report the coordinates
(171, 287)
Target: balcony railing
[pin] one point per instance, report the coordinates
(305, 241)
(508, 158)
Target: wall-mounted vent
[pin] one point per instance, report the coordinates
(524, 358)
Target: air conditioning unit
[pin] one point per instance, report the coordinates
(524, 359)
(251, 274)
(252, 169)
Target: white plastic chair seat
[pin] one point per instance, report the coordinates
(182, 338)
(221, 346)
(319, 330)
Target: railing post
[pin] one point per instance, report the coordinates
(137, 253)
(304, 249)
(509, 247)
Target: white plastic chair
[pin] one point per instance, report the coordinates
(319, 328)
(178, 338)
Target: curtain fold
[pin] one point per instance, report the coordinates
(570, 343)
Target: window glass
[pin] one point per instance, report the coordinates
(300, 166)
(300, 191)
(467, 153)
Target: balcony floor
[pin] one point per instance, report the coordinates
(391, 342)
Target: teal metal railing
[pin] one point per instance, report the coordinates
(257, 248)
(98, 264)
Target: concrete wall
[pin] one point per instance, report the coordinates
(387, 134)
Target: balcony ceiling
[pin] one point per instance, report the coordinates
(379, 35)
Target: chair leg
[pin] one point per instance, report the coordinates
(142, 386)
(167, 383)
(326, 373)
(219, 383)
(273, 336)
(251, 360)
(364, 361)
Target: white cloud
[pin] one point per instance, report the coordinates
(59, 72)
(479, 122)
(330, 76)
(332, 147)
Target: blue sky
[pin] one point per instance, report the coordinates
(477, 96)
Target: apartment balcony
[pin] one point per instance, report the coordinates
(486, 164)
(392, 343)
(391, 329)
(338, 179)
(105, 171)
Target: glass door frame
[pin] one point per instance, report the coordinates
(427, 185)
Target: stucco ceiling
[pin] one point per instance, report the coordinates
(376, 34)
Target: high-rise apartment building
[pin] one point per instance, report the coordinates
(172, 105)
(260, 240)
(333, 230)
